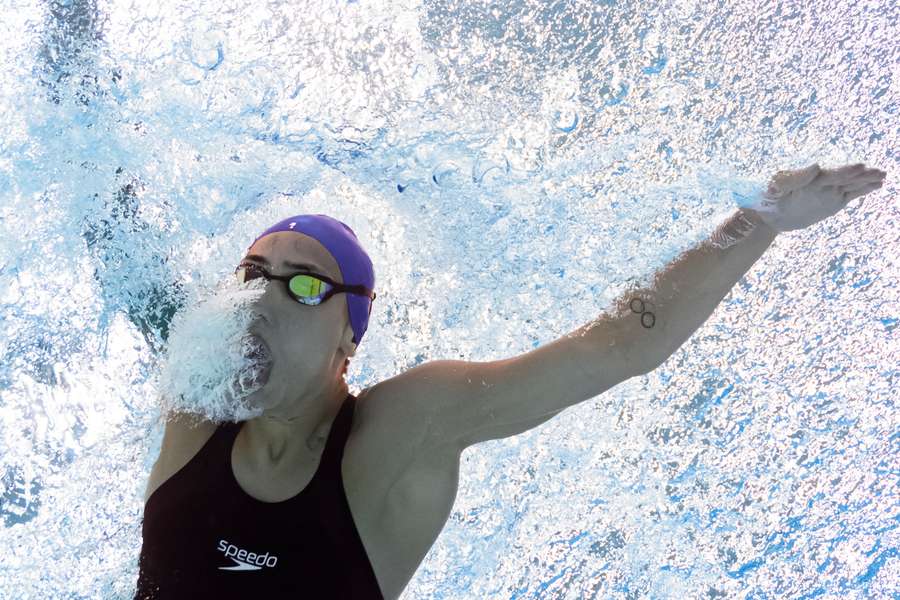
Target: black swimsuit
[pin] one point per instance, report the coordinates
(204, 537)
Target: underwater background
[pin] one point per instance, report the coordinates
(512, 168)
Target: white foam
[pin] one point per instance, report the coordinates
(206, 370)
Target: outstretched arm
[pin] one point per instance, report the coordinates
(685, 294)
(689, 289)
(463, 403)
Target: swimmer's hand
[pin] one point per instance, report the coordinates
(798, 199)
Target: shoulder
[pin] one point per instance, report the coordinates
(391, 441)
(411, 402)
(393, 417)
(384, 410)
(414, 403)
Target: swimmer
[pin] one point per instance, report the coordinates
(331, 495)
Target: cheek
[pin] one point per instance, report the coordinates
(309, 331)
(309, 328)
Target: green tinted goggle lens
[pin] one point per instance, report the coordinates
(305, 288)
(308, 287)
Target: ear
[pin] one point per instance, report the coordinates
(347, 344)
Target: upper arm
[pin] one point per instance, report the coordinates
(463, 403)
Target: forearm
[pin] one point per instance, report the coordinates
(652, 323)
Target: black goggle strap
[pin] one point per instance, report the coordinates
(303, 285)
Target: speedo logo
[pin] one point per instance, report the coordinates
(245, 561)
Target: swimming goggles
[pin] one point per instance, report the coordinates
(306, 288)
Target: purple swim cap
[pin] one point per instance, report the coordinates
(354, 263)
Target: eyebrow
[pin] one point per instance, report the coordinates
(286, 263)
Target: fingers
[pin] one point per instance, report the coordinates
(850, 181)
(840, 175)
(864, 178)
(861, 191)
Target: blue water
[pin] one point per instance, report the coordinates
(512, 169)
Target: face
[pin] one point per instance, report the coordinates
(309, 344)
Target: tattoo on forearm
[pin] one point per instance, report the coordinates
(642, 308)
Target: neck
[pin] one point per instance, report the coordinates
(277, 440)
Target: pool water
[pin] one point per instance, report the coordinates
(512, 168)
